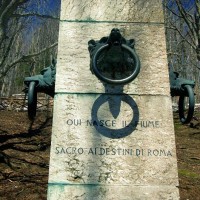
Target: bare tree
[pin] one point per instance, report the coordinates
(183, 38)
(189, 13)
(18, 23)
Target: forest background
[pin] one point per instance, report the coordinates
(29, 38)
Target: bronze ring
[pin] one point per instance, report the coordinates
(119, 81)
(189, 92)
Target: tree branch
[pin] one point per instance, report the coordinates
(25, 58)
(173, 27)
(186, 19)
(35, 15)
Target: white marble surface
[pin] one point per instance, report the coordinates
(94, 155)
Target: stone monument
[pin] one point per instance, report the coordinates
(112, 140)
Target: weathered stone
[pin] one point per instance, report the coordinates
(112, 142)
(84, 150)
(109, 10)
(73, 58)
(99, 192)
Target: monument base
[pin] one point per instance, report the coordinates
(112, 148)
(106, 192)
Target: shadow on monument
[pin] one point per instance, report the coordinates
(114, 62)
(114, 102)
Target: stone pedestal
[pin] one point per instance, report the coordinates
(112, 142)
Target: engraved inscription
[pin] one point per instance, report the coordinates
(113, 123)
(100, 151)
